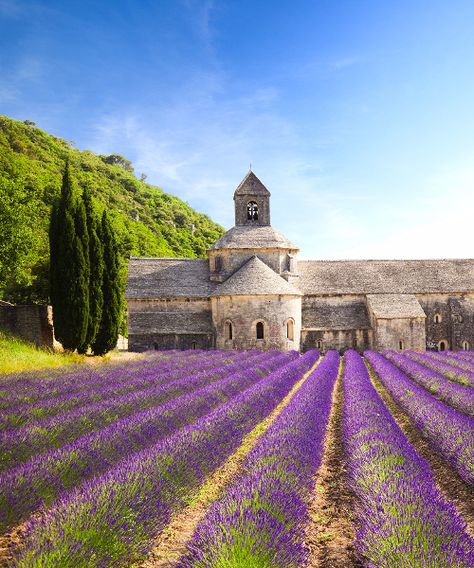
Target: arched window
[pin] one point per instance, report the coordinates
(290, 330)
(193, 345)
(319, 344)
(228, 330)
(442, 345)
(465, 346)
(401, 346)
(437, 318)
(155, 346)
(259, 330)
(252, 211)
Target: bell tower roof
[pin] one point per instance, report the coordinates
(251, 185)
(252, 202)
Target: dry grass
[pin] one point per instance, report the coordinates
(17, 355)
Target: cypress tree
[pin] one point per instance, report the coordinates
(96, 260)
(68, 269)
(82, 284)
(112, 290)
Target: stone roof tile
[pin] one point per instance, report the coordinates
(171, 322)
(251, 185)
(385, 276)
(253, 237)
(255, 278)
(168, 278)
(395, 306)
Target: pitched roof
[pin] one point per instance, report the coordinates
(393, 306)
(168, 278)
(253, 237)
(251, 185)
(385, 276)
(257, 279)
(170, 322)
(320, 314)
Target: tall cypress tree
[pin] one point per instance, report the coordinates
(96, 273)
(68, 269)
(112, 289)
(82, 285)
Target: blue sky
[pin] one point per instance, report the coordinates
(358, 115)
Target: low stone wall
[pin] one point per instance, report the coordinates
(33, 323)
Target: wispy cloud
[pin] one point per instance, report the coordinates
(11, 8)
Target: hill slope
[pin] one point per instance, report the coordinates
(147, 221)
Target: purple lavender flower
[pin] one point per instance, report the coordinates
(449, 432)
(259, 520)
(454, 394)
(403, 519)
(112, 519)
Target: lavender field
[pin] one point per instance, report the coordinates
(233, 459)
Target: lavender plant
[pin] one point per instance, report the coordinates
(443, 367)
(112, 519)
(260, 519)
(37, 482)
(19, 415)
(18, 445)
(402, 517)
(454, 394)
(449, 432)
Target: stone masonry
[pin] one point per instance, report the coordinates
(253, 293)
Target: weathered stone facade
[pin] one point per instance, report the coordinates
(252, 292)
(33, 322)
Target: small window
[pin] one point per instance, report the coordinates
(155, 346)
(437, 318)
(442, 345)
(260, 330)
(218, 263)
(290, 330)
(252, 211)
(319, 344)
(228, 330)
(193, 345)
(401, 345)
(465, 346)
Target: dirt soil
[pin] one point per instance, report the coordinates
(330, 534)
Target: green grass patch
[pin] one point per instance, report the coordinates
(17, 355)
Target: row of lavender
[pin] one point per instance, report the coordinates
(21, 406)
(261, 518)
(403, 519)
(25, 487)
(450, 431)
(19, 444)
(112, 519)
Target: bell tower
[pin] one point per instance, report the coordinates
(252, 202)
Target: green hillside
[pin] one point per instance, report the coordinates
(147, 221)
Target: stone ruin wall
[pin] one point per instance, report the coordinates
(33, 323)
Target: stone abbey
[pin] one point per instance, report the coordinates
(252, 292)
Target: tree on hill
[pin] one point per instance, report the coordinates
(119, 160)
(69, 267)
(112, 291)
